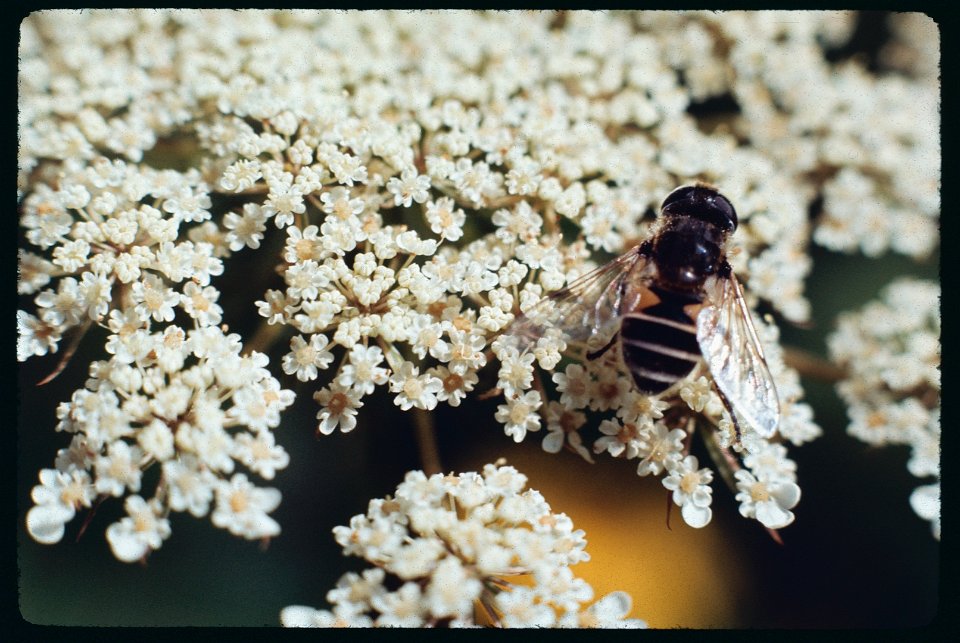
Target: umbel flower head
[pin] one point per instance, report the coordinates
(460, 551)
(432, 176)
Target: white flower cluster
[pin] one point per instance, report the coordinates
(113, 236)
(641, 428)
(891, 350)
(443, 548)
(179, 402)
(868, 144)
(517, 150)
(435, 173)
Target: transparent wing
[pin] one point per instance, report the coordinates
(733, 353)
(587, 308)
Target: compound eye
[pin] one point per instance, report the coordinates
(684, 193)
(725, 211)
(701, 202)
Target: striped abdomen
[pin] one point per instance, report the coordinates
(659, 343)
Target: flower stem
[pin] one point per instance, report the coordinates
(426, 441)
(67, 354)
(264, 337)
(811, 365)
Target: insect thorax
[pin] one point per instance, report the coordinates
(686, 252)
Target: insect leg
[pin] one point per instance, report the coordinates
(592, 355)
(729, 407)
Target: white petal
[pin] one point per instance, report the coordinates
(695, 516)
(787, 494)
(702, 497)
(298, 616)
(45, 522)
(125, 543)
(925, 501)
(773, 515)
(553, 442)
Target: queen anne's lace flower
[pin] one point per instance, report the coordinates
(432, 187)
(691, 490)
(444, 547)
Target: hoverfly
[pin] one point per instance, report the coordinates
(669, 303)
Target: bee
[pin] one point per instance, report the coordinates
(670, 303)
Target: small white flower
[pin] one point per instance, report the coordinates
(305, 357)
(283, 202)
(156, 440)
(34, 337)
(188, 205)
(118, 470)
(242, 508)
(609, 612)
(260, 453)
(466, 351)
(408, 188)
(520, 415)
(413, 389)
(445, 219)
(451, 591)
(339, 406)
(691, 490)
(769, 501)
(57, 498)
(659, 448)
(698, 394)
(361, 370)
(189, 486)
(455, 387)
(153, 300)
(619, 439)
(403, 608)
(143, 530)
(562, 428)
(608, 390)
(516, 372)
(201, 304)
(574, 385)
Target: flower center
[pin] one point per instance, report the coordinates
(412, 388)
(238, 502)
(452, 382)
(337, 403)
(304, 249)
(342, 209)
(759, 492)
(519, 413)
(689, 482)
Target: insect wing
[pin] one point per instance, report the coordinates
(733, 353)
(589, 307)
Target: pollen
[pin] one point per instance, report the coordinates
(239, 502)
(759, 492)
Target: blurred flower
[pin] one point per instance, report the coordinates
(443, 548)
(891, 351)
